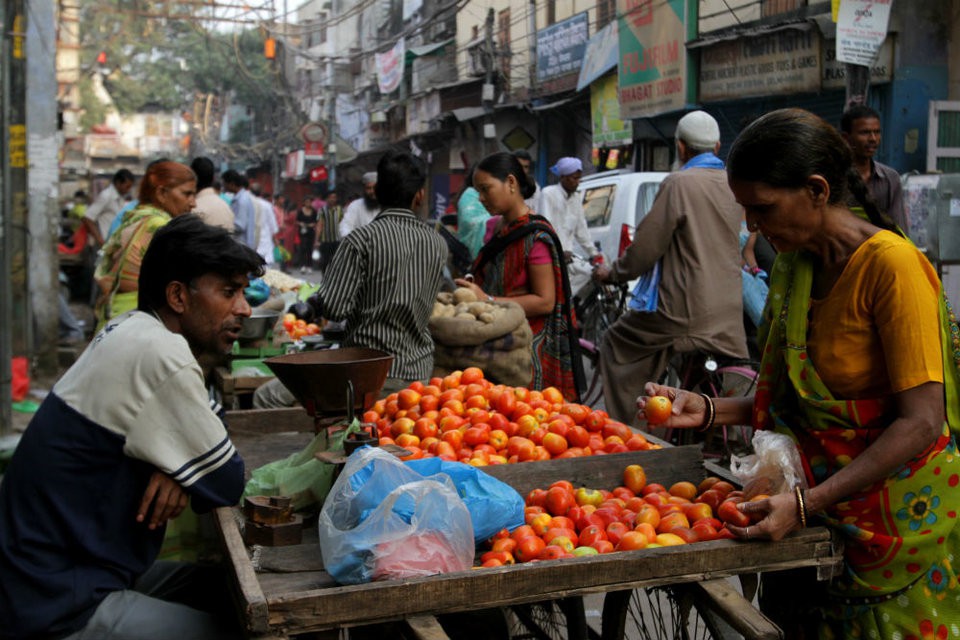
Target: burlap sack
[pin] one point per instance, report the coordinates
(505, 360)
(466, 331)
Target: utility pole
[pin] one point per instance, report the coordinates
(487, 95)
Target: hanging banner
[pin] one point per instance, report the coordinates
(861, 29)
(652, 67)
(390, 68)
(608, 129)
(601, 55)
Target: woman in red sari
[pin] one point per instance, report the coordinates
(522, 261)
(859, 369)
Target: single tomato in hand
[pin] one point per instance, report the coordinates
(657, 409)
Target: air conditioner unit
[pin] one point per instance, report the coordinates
(477, 60)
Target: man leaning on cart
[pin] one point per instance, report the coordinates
(120, 444)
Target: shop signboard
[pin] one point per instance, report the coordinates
(861, 29)
(835, 73)
(609, 130)
(560, 47)
(776, 63)
(652, 68)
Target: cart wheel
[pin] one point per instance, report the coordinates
(562, 619)
(661, 613)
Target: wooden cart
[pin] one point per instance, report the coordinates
(284, 591)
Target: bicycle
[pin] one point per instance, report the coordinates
(597, 309)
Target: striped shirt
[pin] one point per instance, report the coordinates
(383, 281)
(330, 217)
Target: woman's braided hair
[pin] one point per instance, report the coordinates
(785, 147)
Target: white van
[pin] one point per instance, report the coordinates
(614, 203)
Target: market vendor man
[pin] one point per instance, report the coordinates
(383, 280)
(121, 443)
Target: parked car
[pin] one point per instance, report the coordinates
(614, 203)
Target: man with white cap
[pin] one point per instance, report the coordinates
(561, 204)
(688, 247)
(363, 210)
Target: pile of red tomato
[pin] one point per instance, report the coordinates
(466, 418)
(296, 327)
(564, 522)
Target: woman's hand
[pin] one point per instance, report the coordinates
(779, 515)
(689, 409)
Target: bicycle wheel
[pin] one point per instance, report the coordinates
(597, 312)
(563, 619)
(657, 613)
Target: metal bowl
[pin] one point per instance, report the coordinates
(258, 325)
(318, 379)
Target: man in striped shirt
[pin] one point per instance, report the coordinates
(384, 280)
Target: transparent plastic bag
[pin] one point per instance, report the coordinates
(774, 466)
(383, 520)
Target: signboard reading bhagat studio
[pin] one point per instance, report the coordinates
(652, 70)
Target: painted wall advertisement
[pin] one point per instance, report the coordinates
(781, 62)
(652, 69)
(609, 130)
(861, 29)
(560, 47)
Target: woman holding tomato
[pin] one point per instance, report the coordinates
(522, 261)
(859, 368)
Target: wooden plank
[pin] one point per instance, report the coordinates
(264, 421)
(426, 628)
(245, 586)
(735, 610)
(327, 608)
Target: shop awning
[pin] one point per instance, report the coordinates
(426, 49)
(600, 56)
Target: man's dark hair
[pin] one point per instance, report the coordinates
(855, 113)
(203, 167)
(232, 176)
(186, 248)
(123, 175)
(523, 154)
(399, 176)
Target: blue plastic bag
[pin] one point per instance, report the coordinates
(754, 295)
(383, 520)
(257, 292)
(493, 504)
(646, 293)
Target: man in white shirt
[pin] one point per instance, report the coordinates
(363, 210)
(266, 224)
(526, 161)
(99, 215)
(210, 207)
(561, 205)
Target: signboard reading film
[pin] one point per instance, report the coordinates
(652, 70)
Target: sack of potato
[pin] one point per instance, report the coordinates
(494, 336)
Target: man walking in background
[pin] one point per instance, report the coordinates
(562, 205)
(244, 210)
(210, 206)
(860, 127)
(99, 215)
(363, 210)
(328, 232)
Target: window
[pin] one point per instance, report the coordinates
(503, 39)
(606, 12)
(597, 205)
(551, 12)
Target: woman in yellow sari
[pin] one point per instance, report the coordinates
(167, 190)
(859, 368)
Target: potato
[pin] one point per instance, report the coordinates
(445, 297)
(486, 317)
(462, 294)
(476, 308)
(466, 316)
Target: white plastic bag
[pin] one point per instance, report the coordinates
(383, 520)
(774, 467)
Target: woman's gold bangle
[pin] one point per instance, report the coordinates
(711, 412)
(801, 507)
